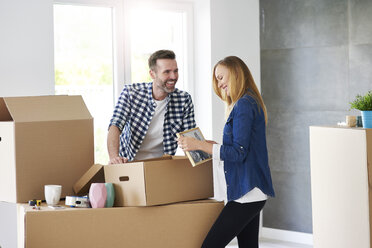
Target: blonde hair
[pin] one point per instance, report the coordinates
(241, 82)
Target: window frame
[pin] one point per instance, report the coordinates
(117, 32)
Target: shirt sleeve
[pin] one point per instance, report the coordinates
(122, 110)
(189, 116)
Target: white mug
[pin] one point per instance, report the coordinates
(52, 194)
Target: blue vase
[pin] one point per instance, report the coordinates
(367, 119)
(110, 195)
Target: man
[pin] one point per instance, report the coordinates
(148, 115)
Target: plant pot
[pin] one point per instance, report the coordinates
(367, 119)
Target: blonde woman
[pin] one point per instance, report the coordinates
(240, 165)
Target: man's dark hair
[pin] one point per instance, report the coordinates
(161, 54)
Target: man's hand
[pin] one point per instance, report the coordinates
(113, 146)
(211, 142)
(118, 160)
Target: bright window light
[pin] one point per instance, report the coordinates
(84, 63)
(152, 30)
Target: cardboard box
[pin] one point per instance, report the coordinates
(43, 140)
(181, 225)
(341, 186)
(153, 182)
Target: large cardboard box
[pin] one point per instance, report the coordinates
(341, 186)
(43, 140)
(181, 225)
(153, 182)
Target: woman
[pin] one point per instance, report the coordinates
(240, 165)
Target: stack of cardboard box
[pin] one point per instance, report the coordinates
(49, 140)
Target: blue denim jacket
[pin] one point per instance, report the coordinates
(244, 150)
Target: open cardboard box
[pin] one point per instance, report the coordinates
(43, 140)
(158, 181)
(181, 225)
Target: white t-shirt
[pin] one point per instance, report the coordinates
(219, 182)
(152, 145)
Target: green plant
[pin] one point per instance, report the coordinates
(362, 103)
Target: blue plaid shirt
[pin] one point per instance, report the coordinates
(135, 109)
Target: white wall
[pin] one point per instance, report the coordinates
(26, 48)
(222, 28)
(235, 30)
(202, 96)
(26, 68)
(8, 224)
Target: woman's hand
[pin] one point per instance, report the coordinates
(189, 143)
(192, 144)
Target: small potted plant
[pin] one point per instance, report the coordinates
(364, 104)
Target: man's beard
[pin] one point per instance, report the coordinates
(171, 86)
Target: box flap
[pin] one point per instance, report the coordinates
(4, 112)
(164, 157)
(7, 163)
(94, 175)
(203, 201)
(46, 108)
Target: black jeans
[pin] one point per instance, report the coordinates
(239, 220)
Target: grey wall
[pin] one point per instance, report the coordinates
(316, 56)
(227, 18)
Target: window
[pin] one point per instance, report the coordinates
(160, 26)
(151, 27)
(94, 58)
(84, 63)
